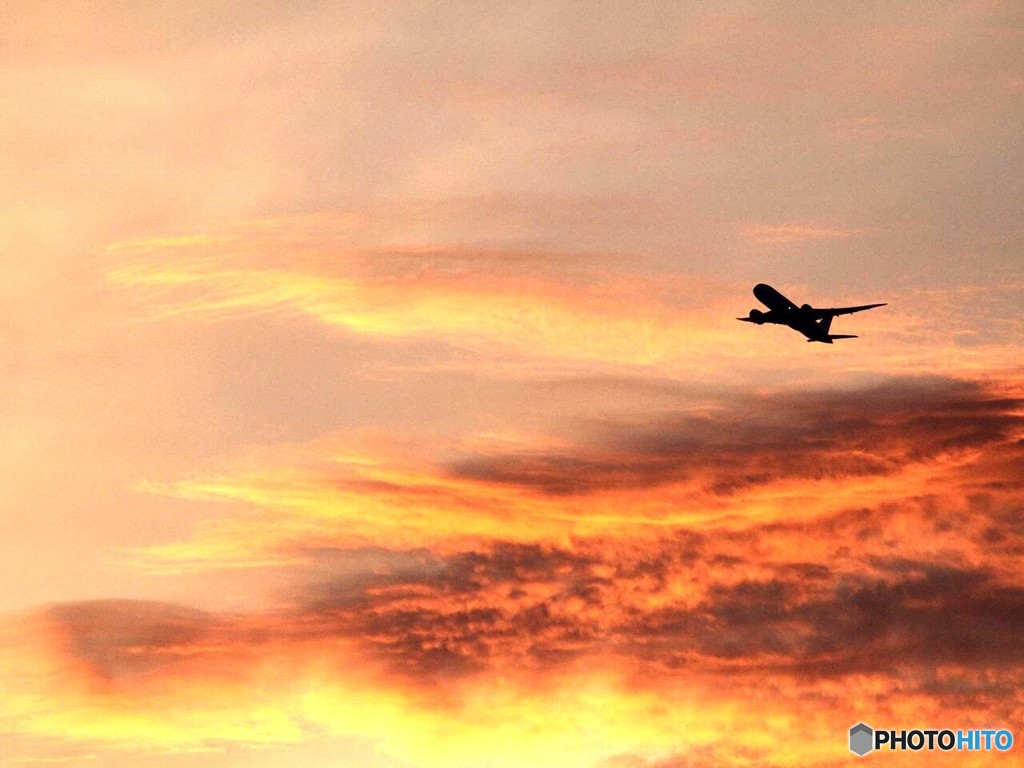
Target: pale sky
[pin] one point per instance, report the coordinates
(370, 383)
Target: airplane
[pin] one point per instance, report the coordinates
(812, 323)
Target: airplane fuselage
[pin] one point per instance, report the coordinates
(785, 312)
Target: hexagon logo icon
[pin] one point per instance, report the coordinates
(862, 739)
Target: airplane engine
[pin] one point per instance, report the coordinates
(806, 307)
(757, 316)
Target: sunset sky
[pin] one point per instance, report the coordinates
(371, 392)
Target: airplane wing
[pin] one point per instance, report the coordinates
(845, 310)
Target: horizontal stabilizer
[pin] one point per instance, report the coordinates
(841, 336)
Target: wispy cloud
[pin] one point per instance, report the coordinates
(762, 233)
(623, 319)
(521, 312)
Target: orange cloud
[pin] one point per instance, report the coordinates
(618, 320)
(770, 459)
(855, 556)
(520, 654)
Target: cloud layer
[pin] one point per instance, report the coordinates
(791, 584)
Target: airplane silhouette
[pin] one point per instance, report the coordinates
(812, 323)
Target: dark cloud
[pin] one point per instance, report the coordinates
(814, 436)
(429, 618)
(451, 614)
(120, 640)
(543, 605)
(914, 615)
